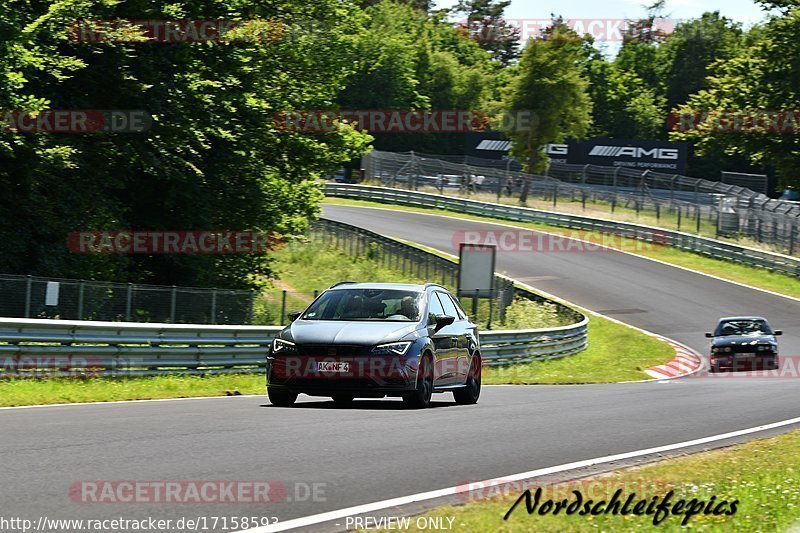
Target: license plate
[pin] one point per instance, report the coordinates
(332, 366)
(746, 354)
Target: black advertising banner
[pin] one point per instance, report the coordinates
(659, 156)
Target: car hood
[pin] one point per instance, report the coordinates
(340, 332)
(739, 340)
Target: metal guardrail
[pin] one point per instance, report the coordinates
(59, 348)
(54, 348)
(773, 261)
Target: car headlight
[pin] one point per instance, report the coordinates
(282, 346)
(397, 348)
(764, 347)
(726, 349)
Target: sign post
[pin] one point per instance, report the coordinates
(476, 272)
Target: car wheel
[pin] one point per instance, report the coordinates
(714, 367)
(772, 364)
(421, 397)
(281, 397)
(343, 400)
(470, 394)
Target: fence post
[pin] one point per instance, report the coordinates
(80, 300)
(555, 193)
(128, 302)
(172, 304)
(792, 230)
(679, 217)
(214, 305)
(697, 221)
(475, 306)
(28, 287)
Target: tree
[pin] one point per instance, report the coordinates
(549, 99)
(486, 25)
(638, 53)
(623, 106)
(213, 159)
(750, 102)
(688, 52)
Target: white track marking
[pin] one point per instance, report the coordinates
(450, 491)
(116, 402)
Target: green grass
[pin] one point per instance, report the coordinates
(615, 353)
(29, 391)
(761, 474)
(753, 276)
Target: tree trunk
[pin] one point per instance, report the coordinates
(533, 159)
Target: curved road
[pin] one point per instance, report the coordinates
(377, 450)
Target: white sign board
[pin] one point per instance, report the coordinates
(51, 293)
(476, 270)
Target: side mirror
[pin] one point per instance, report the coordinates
(442, 321)
(294, 315)
(778, 332)
(709, 335)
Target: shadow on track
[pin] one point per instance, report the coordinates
(364, 404)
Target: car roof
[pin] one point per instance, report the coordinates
(732, 318)
(418, 287)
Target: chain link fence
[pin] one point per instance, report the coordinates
(672, 201)
(69, 299)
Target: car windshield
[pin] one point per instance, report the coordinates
(743, 327)
(366, 304)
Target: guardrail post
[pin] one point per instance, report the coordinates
(252, 303)
(283, 307)
(679, 217)
(475, 306)
(214, 305)
(28, 287)
(172, 304)
(128, 302)
(792, 231)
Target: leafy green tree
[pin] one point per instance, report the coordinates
(623, 105)
(549, 98)
(687, 53)
(487, 26)
(764, 77)
(213, 158)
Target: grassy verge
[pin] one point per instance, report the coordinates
(761, 474)
(615, 353)
(753, 276)
(28, 391)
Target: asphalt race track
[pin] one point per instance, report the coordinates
(377, 450)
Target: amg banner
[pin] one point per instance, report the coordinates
(643, 155)
(654, 155)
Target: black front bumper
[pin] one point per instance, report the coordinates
(380, 380)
